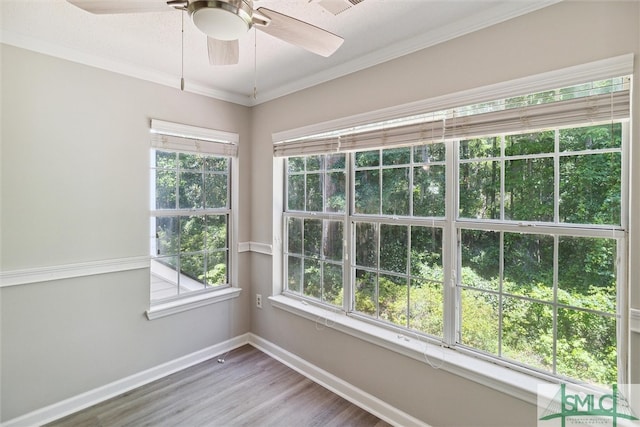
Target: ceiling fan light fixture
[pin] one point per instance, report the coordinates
(222, 20)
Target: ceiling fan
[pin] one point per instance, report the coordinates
(225, 21)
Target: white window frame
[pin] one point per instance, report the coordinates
(176, 137)
(518, 383)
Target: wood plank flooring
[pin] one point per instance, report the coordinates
(249, 389)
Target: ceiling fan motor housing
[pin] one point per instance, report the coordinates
(222, 19)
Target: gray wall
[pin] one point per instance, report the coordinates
(563, 35)
(75, 168)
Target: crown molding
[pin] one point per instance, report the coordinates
(489, 17)
(116, 66)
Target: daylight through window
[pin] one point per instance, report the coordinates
(497, 228)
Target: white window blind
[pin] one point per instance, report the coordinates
(577, 111)
(178, 137)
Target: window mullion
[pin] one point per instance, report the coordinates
(348, 236)
(450, 246)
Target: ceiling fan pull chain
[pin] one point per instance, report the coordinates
(255, 64)
(182, 53)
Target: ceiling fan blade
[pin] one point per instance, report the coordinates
(299, 33)
(121, 6)
(222, 52)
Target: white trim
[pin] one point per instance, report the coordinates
(261, 248)
(475, 22)
(338, 386)
(119, 67)
(100, 394)
(634, 320)
(514, 383)
(605, 68)
(58, 272)
(358, 397)
(158, 311)
(187, 131)
(489, 17)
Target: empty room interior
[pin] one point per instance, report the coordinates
(429, 208)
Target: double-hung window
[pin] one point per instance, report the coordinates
(191, 216)
(497, 229)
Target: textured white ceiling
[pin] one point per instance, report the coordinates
(148, 45)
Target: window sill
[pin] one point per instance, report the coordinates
(501, 378)
(157, 311)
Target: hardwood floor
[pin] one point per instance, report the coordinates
(249, 389)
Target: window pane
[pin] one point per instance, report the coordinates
(590, 189)
(530, 143)
(335, 161)
(480, 190)
(165, 189)
(427, 153)
(429, 188)
(426, 252)
(190, 161)
(165, 160)
(368, 158)
(295, 193)
(367, 197)
(192, 232)
(332, 284)
(295, 235)
(314, 192)
(315, 163)
(335, 192)
(394, 247)
(529, 189)
(366, 244)
(295, 164)
(192, 266)
(396, 156)
(333, 240)
(528, 265)
(294, 274)
(167, 235)
(587, 347)
(312, 286)
(425, 307)
(313, 237)
(393, 299)
(365, 292)
(215, 191)
(395, 191)
(216, 273)
(480, 148)
(216, 232)
(586, 273)
(481, 259)
(219, 164)
(527, 332)
(479, 320)
(190, 190)
(591, 138)
(164, 278)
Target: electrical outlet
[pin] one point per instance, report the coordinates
(258, 300)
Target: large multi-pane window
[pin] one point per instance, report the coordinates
(507, 244)
(191, 219)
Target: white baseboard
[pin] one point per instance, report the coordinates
(329, 381)
(100, 394)
(338, 386)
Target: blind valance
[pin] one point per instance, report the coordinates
(193, 139)
(445, 125)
